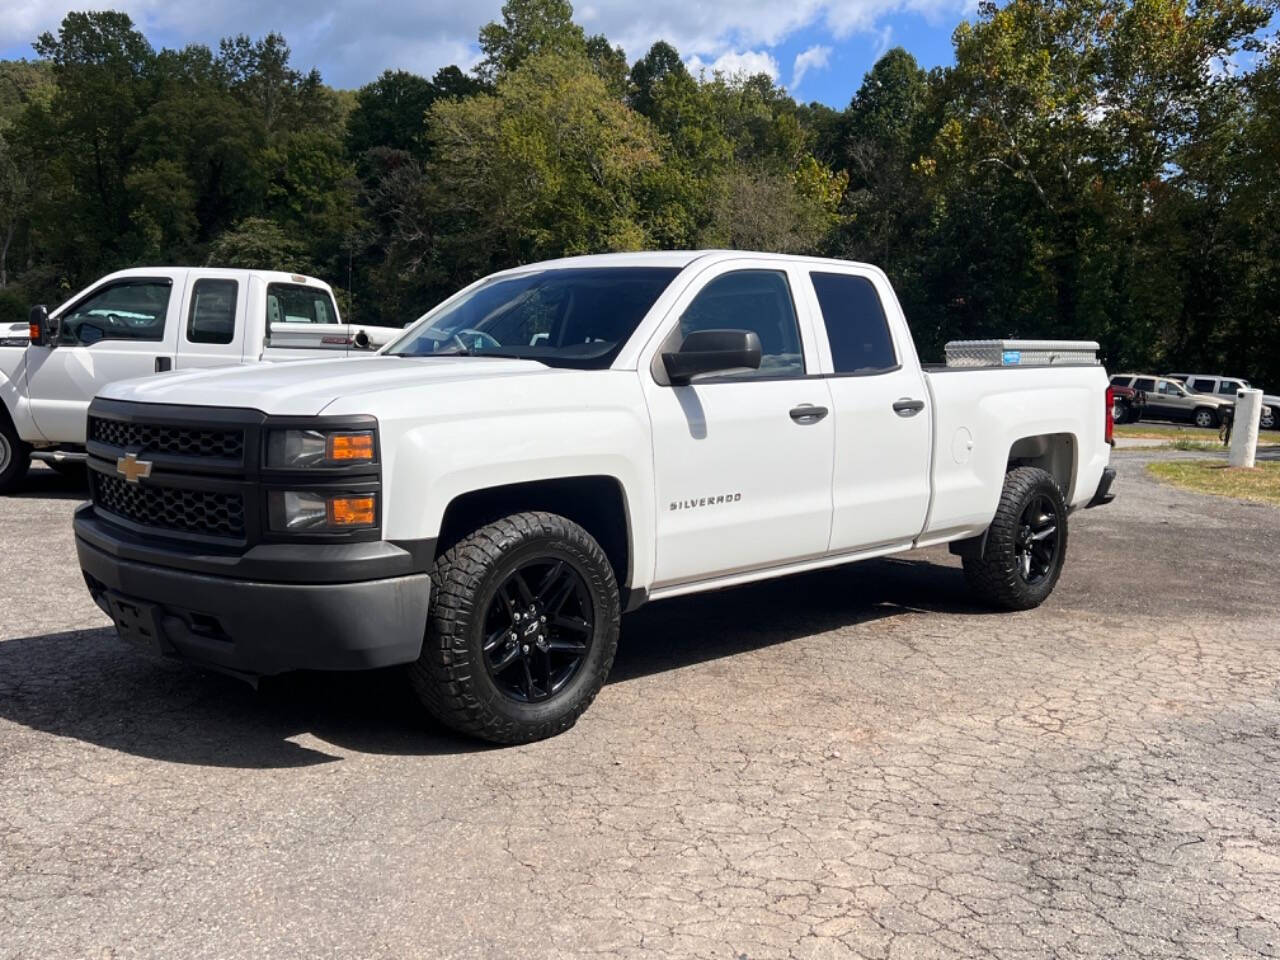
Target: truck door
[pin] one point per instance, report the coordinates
(882, 417)
(742, 462)
(213, 315)
(124, 328)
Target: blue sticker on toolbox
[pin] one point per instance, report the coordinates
(1012, 356)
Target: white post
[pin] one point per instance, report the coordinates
(1244, 431)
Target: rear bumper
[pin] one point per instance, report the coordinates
(256, 627)
(1103, 494)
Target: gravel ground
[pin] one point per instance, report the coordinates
(857, 763)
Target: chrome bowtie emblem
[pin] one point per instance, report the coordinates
(133, 469)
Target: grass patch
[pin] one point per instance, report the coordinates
(1186, 437)
(1261, 483)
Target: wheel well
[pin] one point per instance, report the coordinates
(597, 504)
(1054, 453)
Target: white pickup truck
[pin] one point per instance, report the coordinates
(149, 320)
(555, 445)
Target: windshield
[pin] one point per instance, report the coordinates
(573, 317)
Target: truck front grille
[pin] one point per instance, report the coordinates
(171, 508)
(179, 441)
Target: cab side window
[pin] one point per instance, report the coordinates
(857, 328)
(128, 310)
(213, 311)
(757, 300)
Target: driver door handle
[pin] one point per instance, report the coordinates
(808, 413)
(906, 407)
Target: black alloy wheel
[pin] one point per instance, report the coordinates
(1037, 540)
(538, 629)
(1023, 550)
(522, 629)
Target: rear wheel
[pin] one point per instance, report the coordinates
(15, 456)
(522, 630)
(1119, 411)
(1026, 543)
(1204, 417)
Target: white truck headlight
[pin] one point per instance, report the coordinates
(319, 511)
(301, 449)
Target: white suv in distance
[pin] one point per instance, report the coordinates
(1209, 384)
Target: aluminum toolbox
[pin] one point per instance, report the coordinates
(1021, 353)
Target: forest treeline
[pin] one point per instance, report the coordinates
(1101, 169)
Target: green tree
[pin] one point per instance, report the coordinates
(551, 164)
(259, 244)
(528, 28)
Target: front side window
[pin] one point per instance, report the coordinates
(1144, 383)
(571, 317)
(756, 300)
(1170, 389)
(129, 310)
(293, 303)
(1229, 387)
(213, 311)
(857, 327)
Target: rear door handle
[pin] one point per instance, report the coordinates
(906, 407)
(808, 413)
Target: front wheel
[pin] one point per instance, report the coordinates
(1206, 418)
(522, 631)
(15, 456)
(1119, 412)
(1026, 543)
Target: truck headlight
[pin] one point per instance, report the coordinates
(318, 511)
(301, 449)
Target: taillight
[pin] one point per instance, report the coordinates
(1110, 416)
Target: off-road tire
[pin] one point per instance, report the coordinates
(450, 677)
(995, 576)
(1211, 417)
(15, 456)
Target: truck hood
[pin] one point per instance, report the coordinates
(15, 334)
(305, 388)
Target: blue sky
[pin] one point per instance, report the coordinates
(818, 49)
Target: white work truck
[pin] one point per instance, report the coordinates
(150, 320)
(557, 444)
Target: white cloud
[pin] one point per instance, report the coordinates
(733, 63)
(815, 58)
(352, 41)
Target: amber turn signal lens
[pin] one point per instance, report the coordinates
(351, 511)
(34, 332)
(350, 447)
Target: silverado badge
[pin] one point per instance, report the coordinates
(133, 469)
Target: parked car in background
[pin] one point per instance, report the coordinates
(149, 320)
(1167, 399)
(1212, 385)
(1127, 404)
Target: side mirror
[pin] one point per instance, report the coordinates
(44, 332)
(712, 351)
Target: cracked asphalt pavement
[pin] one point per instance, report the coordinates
(856, 763)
